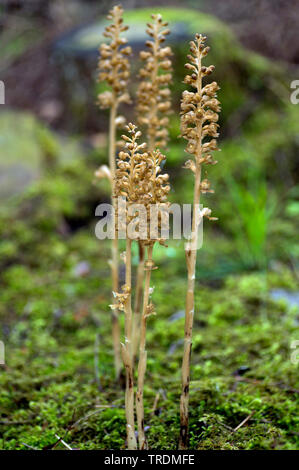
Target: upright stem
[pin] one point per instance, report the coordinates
(114, 245)
(143, 356)
(154, 110)
(191, 267)
(138, 299)
(127, 355)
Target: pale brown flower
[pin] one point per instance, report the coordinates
(114, 67)
(121, 298)
(199, 113)
(103, 172)
(138, 176)
(153, 93)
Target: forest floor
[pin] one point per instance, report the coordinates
(58, 379)
(55, 321)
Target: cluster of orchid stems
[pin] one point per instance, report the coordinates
(139, 181)
(136, 176)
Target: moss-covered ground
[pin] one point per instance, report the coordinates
(59, 380)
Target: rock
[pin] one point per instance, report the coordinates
(82, 269)
(20, 155)
(173, 347)
(184, 23)
(26, 145)
(292, 298)
(176, 316)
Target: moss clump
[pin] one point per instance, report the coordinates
(51, 315)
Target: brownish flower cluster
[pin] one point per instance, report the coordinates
(121, 298)
(199, 113)
(138, 176)
(114, 67)
(153, 92)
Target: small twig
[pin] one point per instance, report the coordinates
(96, 361)
(226, 426)
(63, 442)
(157, 397)
(30, 447)
(53, 446)
(84, 418)
(107, 406)
(244, 421)
(155, 405)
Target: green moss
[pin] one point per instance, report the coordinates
(51, 315)
(49, 386)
